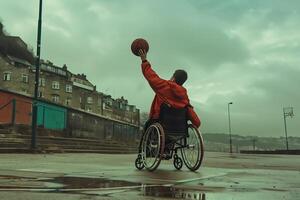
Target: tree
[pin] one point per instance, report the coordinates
(14, 46)
(143, 118)
(1, 29)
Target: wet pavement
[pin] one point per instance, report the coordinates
(103, 176)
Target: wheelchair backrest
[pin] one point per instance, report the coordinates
(173, 120)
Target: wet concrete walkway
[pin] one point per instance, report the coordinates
(103, 176)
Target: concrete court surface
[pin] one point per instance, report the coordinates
(104, 176)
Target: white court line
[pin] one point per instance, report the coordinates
(36, 170)
(28, 189)
(200, 178)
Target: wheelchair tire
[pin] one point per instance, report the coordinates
(194, 141)
(153, 145)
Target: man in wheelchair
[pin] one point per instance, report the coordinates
(169, 92)
(170, 107)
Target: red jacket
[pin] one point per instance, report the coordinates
(167, 91)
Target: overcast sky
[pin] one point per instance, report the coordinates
(242, 51)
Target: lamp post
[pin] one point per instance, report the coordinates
(36, 84)
(229, 126)
(287, 111)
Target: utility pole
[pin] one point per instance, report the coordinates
(229, 127)
(287, 111)
(254, 141)
(37, 76)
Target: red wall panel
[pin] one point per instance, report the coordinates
(23, 108)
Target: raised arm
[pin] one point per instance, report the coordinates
(156, 83)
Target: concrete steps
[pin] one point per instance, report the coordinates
(15, 150)
(111, 151)
(11, 142)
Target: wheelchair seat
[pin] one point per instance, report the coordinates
(174, 122)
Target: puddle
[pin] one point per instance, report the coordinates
(133, 190)
(69, 182)
(110, 186)
(97, 186)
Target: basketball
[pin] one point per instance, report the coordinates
(138, 44)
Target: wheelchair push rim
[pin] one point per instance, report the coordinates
(153, 146)
(193, 153)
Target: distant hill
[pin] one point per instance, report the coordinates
(220, 142)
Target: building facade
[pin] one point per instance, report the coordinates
(62, 87)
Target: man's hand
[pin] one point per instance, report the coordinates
(143, 54)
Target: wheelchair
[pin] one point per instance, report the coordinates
(163, 139)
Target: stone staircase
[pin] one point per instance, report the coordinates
(14, 141)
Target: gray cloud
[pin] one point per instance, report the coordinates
(240, 51)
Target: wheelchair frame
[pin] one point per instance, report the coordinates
(173, 146)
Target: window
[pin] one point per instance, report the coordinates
(108, 103)
(7, 76)
(133, 109)
(99, 101)
(122, 106)
(89, 100)
(80, 101)
(24, 78)
(42, 82)
(68, 101)
(69, 88)
(24, 91)
(40, 94)
(88, 109)
(55, 98)
(55, 85)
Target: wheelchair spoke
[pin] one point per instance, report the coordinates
(151, 147)
(192, 154)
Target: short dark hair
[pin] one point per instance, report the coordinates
(180, 76)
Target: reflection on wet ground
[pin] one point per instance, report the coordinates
(172, 192)
(82, 184)
(94, 177)
(69, 182)
(145, 190)
(192, 189)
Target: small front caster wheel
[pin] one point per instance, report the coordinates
(177, 162)
(139, 163)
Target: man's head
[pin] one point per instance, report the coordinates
(179, 76)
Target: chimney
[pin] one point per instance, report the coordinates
(83, 76)
(65, 68)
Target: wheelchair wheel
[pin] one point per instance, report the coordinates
(193, 153)
(139, 162)
(153, 146)
(177, 162)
